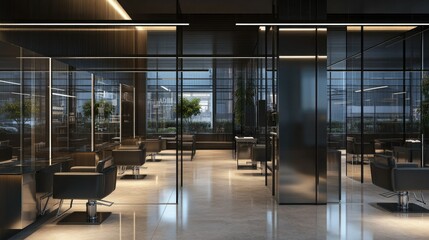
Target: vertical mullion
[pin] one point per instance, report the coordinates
(361, 104)
(403, 87)
(50, 109)
(92, 113)
(177, 119)
(120, 112)
(421, 93)
(266, 103)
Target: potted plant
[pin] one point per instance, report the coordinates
(187, 109)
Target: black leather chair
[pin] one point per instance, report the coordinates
(399, 179)
(153, 147)
(358, 149)
(189, 144)
(130, 156)
(91, 186)
(259, 154)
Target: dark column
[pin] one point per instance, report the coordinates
(140, 84)
(302, 117)
(302, 105)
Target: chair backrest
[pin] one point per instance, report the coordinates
(381, 171)
(350, 145)
(129, 141)
(103, 164)
(153, 145)
(85, 159)
(188, 138)
(132, 156)
(368, 148)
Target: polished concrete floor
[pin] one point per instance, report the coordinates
(219, 202)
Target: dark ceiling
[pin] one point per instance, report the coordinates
(213, 33)
(137, 9)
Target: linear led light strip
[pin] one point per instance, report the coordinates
(63, 95)
(381, 28)
(399, 93)
(58, 89)
(118, 8)
(370, 89)
(27, 94)
(13, 83)
(331, 24)
(166, 89)
(147, 57)
(303, 29)
(21, 94)
(302, 57)
(349, 28)
(93, 24)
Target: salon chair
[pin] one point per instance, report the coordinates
(87, 185)
(259, 154)
(189, 144)
(130, 156)
(399, 180)
(153, 147)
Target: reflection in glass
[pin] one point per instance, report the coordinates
(106, 111)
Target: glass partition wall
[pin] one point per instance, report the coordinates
(52, 108)
(376, 95)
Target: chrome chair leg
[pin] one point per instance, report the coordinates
(422, 198)
(59, 213)
(105, 203)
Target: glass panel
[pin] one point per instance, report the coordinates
(384, 114)
(71, 113)
(197, 101)
(10, 105)
(81, 130)
(127, 111)
(106, 111)
(160, 105)
(224, 98)
(336, 110)
(34, 94)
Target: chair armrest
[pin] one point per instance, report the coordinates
(407, 165)
(83, 169)
(410, 179)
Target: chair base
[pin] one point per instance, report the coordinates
(132, 176)
(153, 158)
(81, 218)
(247, 167)
(394, 208)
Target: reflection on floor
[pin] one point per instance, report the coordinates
(220, 202)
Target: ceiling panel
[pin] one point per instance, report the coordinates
(226, 6)
(138, 9)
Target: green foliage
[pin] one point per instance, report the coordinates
(12, 110)
(244, 98)
(188, 108)
(102, 107)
